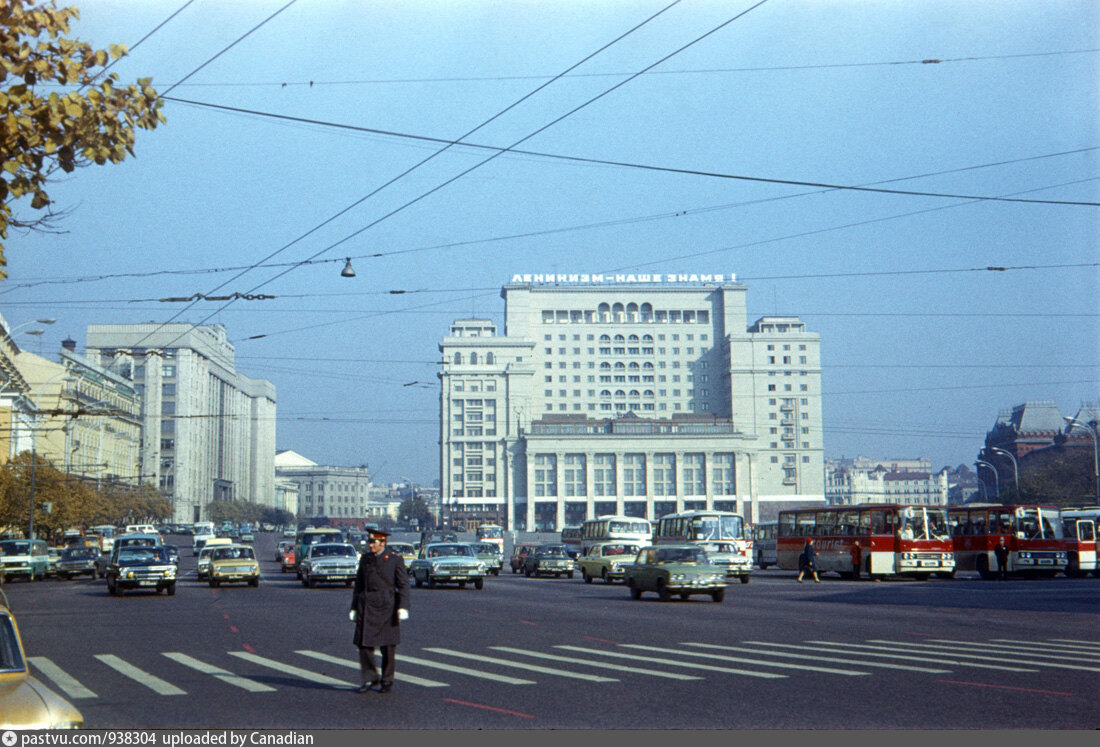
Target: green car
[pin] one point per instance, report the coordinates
(675, 569)
(447, 563)
(606, 561)
(491, 556)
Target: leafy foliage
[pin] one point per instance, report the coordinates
(415, 510)
(89, 120)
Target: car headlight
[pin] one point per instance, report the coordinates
(127, 574)
(1025, 555)
(678, 577)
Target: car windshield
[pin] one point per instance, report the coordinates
(142, 556)
(490, 532)
(721, 547)
(442, 551)
(681, 555)
(78, 553)
(11, 659)
(233, 553)
(13, 547)
(313, 539)
(553, 551)
(487, 548)
(332, 551)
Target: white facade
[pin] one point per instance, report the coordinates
(849, 487)
(208, 431)
(640, 399)
(332, 492)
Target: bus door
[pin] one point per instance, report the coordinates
(1080, 535)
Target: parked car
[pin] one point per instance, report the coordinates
(141, 567)
(329, 562)
(53, 554)
(407, 550)
(173, 554)
(727, 556)
(76, 561)
(427, 538)
(288, 561)
(491, 555)
(233, 564)
(282, 547)
(548, 560)
(606, 561)
(247, 536)
(519, 554)
(23, 558)
(447, 563)
(675, 569)
(25, 703)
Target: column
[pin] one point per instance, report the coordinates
(589, 486)
(530, 468)
(559, 499)
(619, 507)
(649, 485)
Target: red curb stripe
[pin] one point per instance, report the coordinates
(600, 640)
(248, 648)
(488, 708)
(528, 622)
(1006, 687)
(234, 628)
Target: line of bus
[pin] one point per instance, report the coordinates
(895, 540)
(1079, 530)
(615, 528)
(722, 534)
(1033, 535)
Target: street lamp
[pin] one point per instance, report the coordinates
(34, 440)
(996, 479)
(10, 334)
(1015, 467)
(1090, 428)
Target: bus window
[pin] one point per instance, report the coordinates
(804, 524)
(848, 524)
(786, 525)
(865, 522)
(878, 522)
(1002, 520)
(825, 523)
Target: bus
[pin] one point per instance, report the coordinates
(491, 533)
(895, 539)
(1033, 534)
(107, 534)
(1079, 530)
(763, 543)
(615, 528)
(721, 533)
(571, 538)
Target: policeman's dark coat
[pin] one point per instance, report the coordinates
(381, 588)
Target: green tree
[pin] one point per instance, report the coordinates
(415, 509)
(89, 119)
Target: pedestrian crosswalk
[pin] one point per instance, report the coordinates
(441, 667)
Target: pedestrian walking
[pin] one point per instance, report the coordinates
(379, 603)
(1001, 553)
(807, 561)
(857, 559)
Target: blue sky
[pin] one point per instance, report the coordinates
(921, 349)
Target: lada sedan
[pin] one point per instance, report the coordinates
(491, 556)
(550, 560)
(606, 561)
(138, 567)
(447, 563)
(519, 555)
(329, 562)
(76, 561)
(234, 564)
(737, 563)
(675, 569)
(25, 703)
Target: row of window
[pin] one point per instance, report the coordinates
(667, 474)
(630, 312)
(634, 339)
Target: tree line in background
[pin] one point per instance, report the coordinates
(240, 512)
(63, 501)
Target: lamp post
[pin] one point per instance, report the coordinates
(1090, 428)
(1015, 467)
(10, 334)
(996, 479)
(34, 442)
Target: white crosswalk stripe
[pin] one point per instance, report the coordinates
(1094, 645)
(1062, 648)
(942, 658)
(671, 663)
(521, 665)
(598, 664)
(743, 660)
(287, 669)
(819, 657)
(403, 658)
(154, 683)
(55, 674)
(354, 664)
(934, 648)
(1008, 648)
(224, 675)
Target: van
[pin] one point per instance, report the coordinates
(26, 558)
(140, 529)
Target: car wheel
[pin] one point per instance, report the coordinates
(479, 583)
(569, 575)
(213, 584)
(662, 591)
(496, 571)
(417, 581)
(112, 587)
(171, 589)
(684, 595)
(311, 582)
(62, 577)
(254, 582)
(635, 592)
(745, 578)
(526, 571)
(586, 577)
(431, 582)
(462, 584)
(303, 581)
(718, 595)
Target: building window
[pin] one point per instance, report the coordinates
(721, 475)
(664, 474)
(692, 474)
(574, 475)
(634, 474)
(546, 475)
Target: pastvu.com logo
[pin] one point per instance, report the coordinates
(9, 739)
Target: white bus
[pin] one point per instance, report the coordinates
(491, 533)
(763, 543)
(615, 528)
(201, 531)
(721, 533)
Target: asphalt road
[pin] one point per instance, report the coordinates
(528, 653)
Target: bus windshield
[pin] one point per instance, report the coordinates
(1035, 523)
(924, 523)
(716, 528)
(490, 532)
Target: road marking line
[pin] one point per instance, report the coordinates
(222, 674)
(1002, 656)
(1089, 644)
(819, 657)
(669, 662)
(520, 665)
(61, 678)
(1006, 687)
(742, 660)
(463, 670)
(1058, 648)
(355, 665)
(997, 648)
(156, 684)
(488, 708)
(304, 674)
(600, 664)
(875, 651)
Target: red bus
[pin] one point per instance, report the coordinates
(1033, 535)
(1079, 529)
(895, 539)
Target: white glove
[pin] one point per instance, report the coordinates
(402, 615)
(351, 615)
